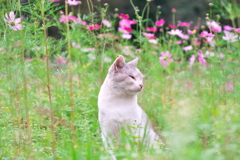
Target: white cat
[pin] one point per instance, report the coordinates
(118, 107)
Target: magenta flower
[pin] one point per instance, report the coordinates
(201, 58)
(94, 27)
(73, 2)
(124, 16)
(12, 22)
(151, 29)
(165, 58)
(237, 30)
(184, 24)
(125, 27)
(106, 23)
(174, 10)
(172, 26)
(160, 23)
(214, 26)
(227, 28)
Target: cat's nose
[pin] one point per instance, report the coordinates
(141, 85)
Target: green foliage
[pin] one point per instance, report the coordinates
(49, 88)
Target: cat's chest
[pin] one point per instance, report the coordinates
(120, 113)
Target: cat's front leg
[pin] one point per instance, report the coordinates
(108, 144)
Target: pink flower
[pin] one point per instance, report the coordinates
(125, 27)
(160, 23)
(195, 27)
(88, 49)
(55, 0)
(179, 42)
(64, 19)
(229, 87)
(191, 60)
(174, 10)
(237, 30)
(151, 29)
(126, 36)
(106, 23)
(230, 37)
(124, 16)
(206, 34)
(61, 60)
(214, 26)
(172, 26)
(210, 41)
(165, 58)
(227, 28)
(191, 32)
(175, 32)
(201, 58)
(183, 36)
(75, 45)
(187, 48)
(12, 22)
(73, 2)
(184, 24)
(149, 35)
(94, 27)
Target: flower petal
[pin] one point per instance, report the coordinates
(12, 16)
(18, 20)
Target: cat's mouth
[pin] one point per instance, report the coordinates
(137, 89)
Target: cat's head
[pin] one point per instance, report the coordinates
(125, 78)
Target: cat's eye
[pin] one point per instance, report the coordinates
(132, 77)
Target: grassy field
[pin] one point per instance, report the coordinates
(49, 88)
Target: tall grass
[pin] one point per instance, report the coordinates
(49, 87)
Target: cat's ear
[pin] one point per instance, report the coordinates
(119, 63)
(134, 62)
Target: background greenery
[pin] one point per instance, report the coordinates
(48, 107)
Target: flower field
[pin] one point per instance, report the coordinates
(49, 86)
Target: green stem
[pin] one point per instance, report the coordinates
(48, 81)
(70, 78)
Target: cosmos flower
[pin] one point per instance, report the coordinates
(94, 27)
(230, 37)
(201, 58)
(165, 58)
(227, 28)
(160, 23)
(124, 16)
(151, 29)
(12, 22)
(191, 60)
(106, 23)
(214, 26)
(184, 24)
(149, 35)
(73, 2)
(187, 48)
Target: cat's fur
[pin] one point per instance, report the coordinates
(118, 107)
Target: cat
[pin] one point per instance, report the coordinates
(118, 107)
